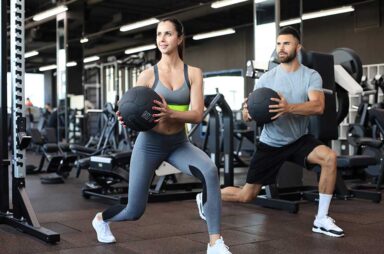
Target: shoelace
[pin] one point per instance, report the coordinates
(330, 219)
(331, 222)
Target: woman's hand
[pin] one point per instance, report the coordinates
(164, 111)
(120, 118)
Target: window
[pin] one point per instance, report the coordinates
(230, 84)
(34, 89)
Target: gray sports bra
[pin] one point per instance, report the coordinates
(178, 99)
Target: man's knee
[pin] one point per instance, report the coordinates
(330, 159)
(324, 156)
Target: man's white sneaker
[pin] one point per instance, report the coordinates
(103, 232)
(327, 226)
(199, 202)
(218, 248)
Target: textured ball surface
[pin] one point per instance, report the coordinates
(258, 104)
(135, 107)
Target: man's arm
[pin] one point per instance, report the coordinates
(315, 105)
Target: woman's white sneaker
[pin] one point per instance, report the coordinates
(103, 232)
(327, 226)
(218, 248)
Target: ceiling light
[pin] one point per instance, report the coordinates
(223, 3)
(259, 1)
(49, 13)
(31, 53)
(329, 12)
(214, 34)
(290, 22)
(91, 59)
(139, 24)
(140, 49)
(71, 64)
(48, 67)
(84, 40)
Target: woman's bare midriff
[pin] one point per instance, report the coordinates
(169, 127)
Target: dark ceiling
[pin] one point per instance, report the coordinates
(100, 20)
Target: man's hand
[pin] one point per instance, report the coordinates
(281, 108)
(246, 116)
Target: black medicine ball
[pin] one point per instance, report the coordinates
(135, 107)
(258, 104)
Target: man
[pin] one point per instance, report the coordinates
(286, 138)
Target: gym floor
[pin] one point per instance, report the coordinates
(175, 227)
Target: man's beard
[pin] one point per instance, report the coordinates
(289, 58)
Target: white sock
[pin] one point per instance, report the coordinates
(324, 202)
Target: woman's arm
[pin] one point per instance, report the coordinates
(146, 78)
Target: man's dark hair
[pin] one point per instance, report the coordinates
(290, 30)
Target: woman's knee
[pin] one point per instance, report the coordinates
(207, 174)
(212, 172)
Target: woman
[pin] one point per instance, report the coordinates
(180, 87)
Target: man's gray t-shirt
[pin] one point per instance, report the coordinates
(294, 86)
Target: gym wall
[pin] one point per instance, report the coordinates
(223, 53)
(361, 30)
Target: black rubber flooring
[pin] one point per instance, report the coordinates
(175, 227)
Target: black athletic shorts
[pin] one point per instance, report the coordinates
(267, 160)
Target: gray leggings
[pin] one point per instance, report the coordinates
(149, 151)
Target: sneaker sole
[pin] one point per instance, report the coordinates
(319, 230)
(200, 208)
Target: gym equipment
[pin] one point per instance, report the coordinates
(252, 71)
(60, 160)
(20, 213)
(350, 62)
(364, 133)
(370, 146)
(258, 104)
(60, 163)
(346, 81)
(104, 144)
(378, 83)
(135, 107)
